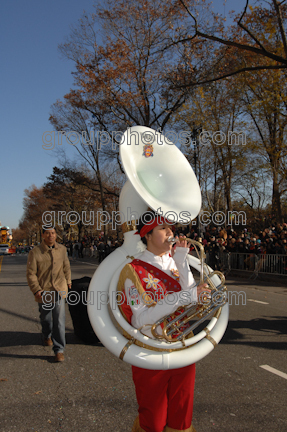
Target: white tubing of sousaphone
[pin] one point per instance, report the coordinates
(165, 180)
(156, 343)
(130, 204)
(111, 337)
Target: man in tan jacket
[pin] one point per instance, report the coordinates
(49, 277)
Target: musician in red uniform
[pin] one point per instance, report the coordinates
(149, 284)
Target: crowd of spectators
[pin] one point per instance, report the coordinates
(272, 240)
(218, 241)
(92, 246)
(240, 247)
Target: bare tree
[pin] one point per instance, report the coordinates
(244, 47)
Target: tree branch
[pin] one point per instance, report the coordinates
(248, 31)
(246, 69)
(262, 51)
(282, 31)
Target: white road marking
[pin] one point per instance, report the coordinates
(257, 301)
(275, 371)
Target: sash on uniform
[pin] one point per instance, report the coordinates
(154, 279)
(150, 285)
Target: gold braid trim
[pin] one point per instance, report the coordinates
(169, 429)
(128, 272)
(125, 348)
(210, 338)
(136, 426)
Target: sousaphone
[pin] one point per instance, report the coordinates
(160, 178)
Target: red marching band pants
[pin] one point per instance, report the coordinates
(165, 399)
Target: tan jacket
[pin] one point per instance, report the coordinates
(48, 269)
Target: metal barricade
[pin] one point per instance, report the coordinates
(268, 263)
(273, 264)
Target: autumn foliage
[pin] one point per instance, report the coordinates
(176, 64)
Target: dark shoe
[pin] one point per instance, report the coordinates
(59, 357)
(48, 342)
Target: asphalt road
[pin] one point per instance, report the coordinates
(93, 391)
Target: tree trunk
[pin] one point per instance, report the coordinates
(276, 199)
(103, 200)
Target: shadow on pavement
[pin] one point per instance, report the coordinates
(49, 359)
(271, 327)
(36, 320)
(16, 338)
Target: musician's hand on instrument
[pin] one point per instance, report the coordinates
(173, 249)
(181, 242)
(203, 291)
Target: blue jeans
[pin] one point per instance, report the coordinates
(52, 317)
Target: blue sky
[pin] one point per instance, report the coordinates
(33, 77)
